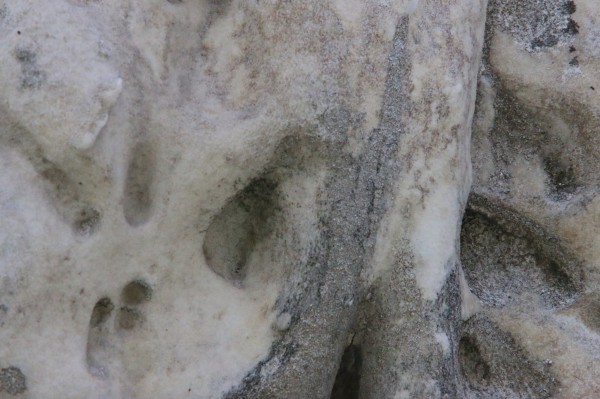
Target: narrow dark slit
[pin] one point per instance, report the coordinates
(347, 380)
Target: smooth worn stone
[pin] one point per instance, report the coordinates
(383, 199)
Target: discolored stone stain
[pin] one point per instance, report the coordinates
(101, 312)
(3, 311)
(12, 381)
(549, 41)
(494, 365)
(87, 220)
(347, 380)
(570, 7)
(536, 24)
(3, 13)
(31, 76)
(507, 257)
(572, 27)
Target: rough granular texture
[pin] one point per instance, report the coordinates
(12, 381)
(535, 24)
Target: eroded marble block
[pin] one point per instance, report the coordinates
(240, 199)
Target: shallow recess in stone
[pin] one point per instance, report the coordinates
(233, 234)
(128, 318)
(137, 201)
(508, 259)
(136, 293)
(561, 177)
(98, 344)
(494, 366)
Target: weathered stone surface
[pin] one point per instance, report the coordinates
(239, 199)
(529, 239)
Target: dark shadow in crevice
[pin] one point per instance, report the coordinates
(473, 367)
(347, 380)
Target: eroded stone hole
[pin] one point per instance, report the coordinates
(101, 312)
(505, 263)
(234, 233)
(473, 367)
(137, 202)
(561, 177)
(136, 293)
(98, 345)
(129, 318)
(347, 380)
(537, 23)
(494, 365)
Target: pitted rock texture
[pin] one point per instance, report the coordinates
(529, 235)
(239, 199)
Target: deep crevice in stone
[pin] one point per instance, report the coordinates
(347, 380)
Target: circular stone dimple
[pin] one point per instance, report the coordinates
(136, 293)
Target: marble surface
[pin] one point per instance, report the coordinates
(240, 199)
